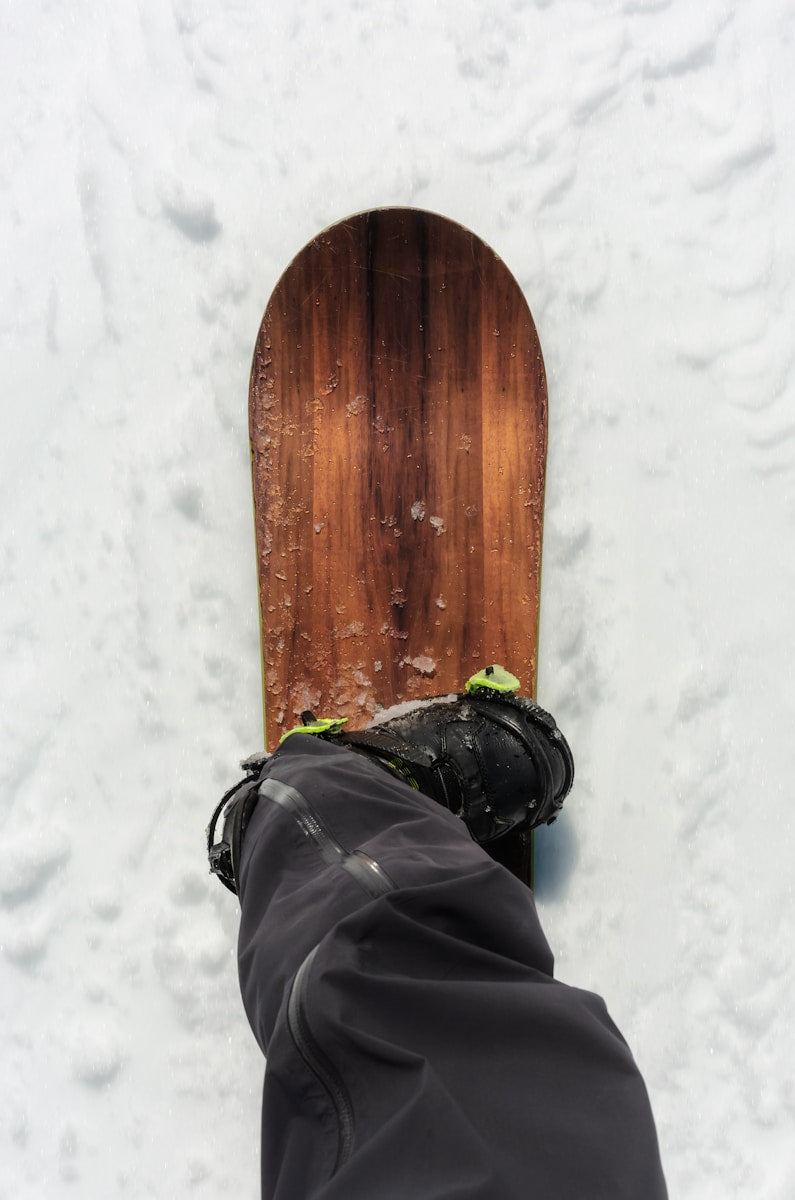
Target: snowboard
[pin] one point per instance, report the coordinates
(398, 427)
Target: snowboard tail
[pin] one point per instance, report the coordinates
(398, 425)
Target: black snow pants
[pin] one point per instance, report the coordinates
(400, 986)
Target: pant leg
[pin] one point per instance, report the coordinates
(400, 985)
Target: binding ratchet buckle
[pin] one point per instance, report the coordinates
(494, 679)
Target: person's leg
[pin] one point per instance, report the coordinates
(401, 987)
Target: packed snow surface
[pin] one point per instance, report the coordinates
(633, 161)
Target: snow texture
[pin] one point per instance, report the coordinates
(633, 161)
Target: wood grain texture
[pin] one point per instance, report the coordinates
(398, 421)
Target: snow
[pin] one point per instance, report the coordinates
(406, 707)
(633, 161)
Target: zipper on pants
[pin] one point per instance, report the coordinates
(318, 1062)
(373, 880)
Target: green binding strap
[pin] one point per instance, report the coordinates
(495, 679)
(315, 725)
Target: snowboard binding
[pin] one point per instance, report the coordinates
(493, 758)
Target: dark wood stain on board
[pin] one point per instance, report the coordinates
(398, 422)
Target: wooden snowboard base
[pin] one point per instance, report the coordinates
(398, 422)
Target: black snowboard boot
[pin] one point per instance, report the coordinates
(495, 759)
